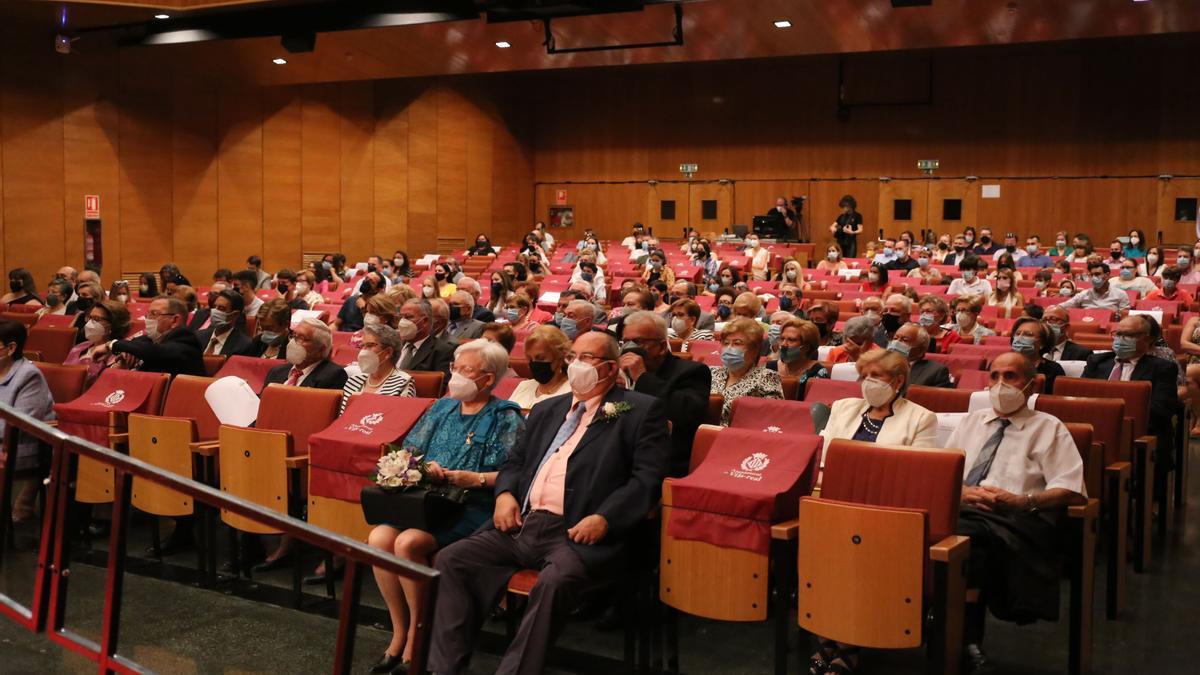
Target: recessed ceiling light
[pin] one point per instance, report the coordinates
(162, 16)
(504, 44)
(783, 23)
(279, 62)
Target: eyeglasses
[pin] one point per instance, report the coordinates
(1128, 333)
(644, 342)
(465, 370)
(587, 357)
(159, 315)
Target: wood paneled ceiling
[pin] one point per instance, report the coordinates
(713, 30)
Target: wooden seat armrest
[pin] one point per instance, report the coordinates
(787, 530)
(121, 438)
(952, 549)
(296, 462)
(1124, 468)
(205, 448)
(1088, 511)
(1149, 441)
(51, 423)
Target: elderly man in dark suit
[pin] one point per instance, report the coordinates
(648, 367)
(225, 334)
(915, 339)
(584, 475)
(422, 351)
(1064, 349)
(1131, 360)
(308, 363)
(168, 345)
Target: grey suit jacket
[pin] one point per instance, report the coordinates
(467, 330)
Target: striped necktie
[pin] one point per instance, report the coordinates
(983, 462)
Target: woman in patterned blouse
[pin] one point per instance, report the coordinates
(740, 374)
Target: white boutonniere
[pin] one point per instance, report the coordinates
(611, 411)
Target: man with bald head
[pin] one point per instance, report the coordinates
(574, 488)
(1022, 470)
(1064, 349)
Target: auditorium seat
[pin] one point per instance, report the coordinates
(66, 382)
(428, 384)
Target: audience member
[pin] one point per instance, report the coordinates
(857, 339)
(1032, 339)
(23, 291)
(648, 367)
(272, 327)
(970, 283)
(912, 342)
(966, 316)
(106, 320)
(546, 348)
(377, 371)
(1101, 295)
(262, 279)
(1058, 322)
(575, 537)
(168, 346)
(419, 351)
(463, 326)
(308, 364)
(245, 283)
(1127, 279)
(1022, 468)
(1170, 291)
(934, 316)
(1006, 298)
(739, 373)
(799, 341)
(24, 388)
(225, 334)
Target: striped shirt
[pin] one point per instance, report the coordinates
(399, 383)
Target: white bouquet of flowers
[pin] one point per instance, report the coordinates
(399, 469)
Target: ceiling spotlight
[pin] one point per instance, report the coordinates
(278, 61)
(504, 44)
(160, 17)
(783, 23)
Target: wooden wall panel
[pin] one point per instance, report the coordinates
(240, 178)
(1111, 207)
(451, 134)
(755, 198)
(194, 180)
(698, 193)
(357, 116)
(1168, 222)
(423, 154)
(90, 143)
(823, 209)
(917, 192)
(479, 174)
(391, 167)
(147, 231)
(282, 177)
(965, 191)
(653, 220)
(610, 210)
(512, 183)
(321, 169)
(31, 126)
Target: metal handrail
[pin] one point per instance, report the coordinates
(126, 467)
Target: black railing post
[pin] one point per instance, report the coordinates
(343, 657)
(115, 580)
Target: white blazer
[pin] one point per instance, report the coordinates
(910, 424)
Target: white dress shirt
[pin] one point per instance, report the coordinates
(1113, 298)
(979, 287)
(1036, 454)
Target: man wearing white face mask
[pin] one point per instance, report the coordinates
(574, 487)
(421, 351)
(308, 363)
(1022, 468)
(882, 415)
(168, 345)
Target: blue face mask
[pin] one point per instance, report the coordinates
(587, 276)
(1056, 330)
(645, 246)
(268, 336)
(713, 287)
(923, 262)
(734, 358)
(1125, 346)
(1098, 281)
(899, 347)
(512, 315)
(968, 276)
(1023, 344)
(774, 331)
(724, 311)
(785, 303)
(569, 328)
(1183, 262)
(1126, 274)
(925, 320)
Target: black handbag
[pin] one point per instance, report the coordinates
(428, 508)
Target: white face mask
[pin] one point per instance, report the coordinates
(427, 291)
(964, 318)
(1003, 284)
(152, 328)
(1005, 398)
(296, 353)
(368, 361)
(94, 331)
(876, 391)
(371, 320)
(582, 377)
(461, 387)
(302, 288)
(679, 325)
(407, 329)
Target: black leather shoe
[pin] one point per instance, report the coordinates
(387, 664)
(977, 660)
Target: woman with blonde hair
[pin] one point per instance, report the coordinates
(546, 348)
(739, 373)
(1005, 296)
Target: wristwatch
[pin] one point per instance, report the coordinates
(1031, 504)
(482, 480)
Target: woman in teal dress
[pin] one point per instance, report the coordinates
(464, 438)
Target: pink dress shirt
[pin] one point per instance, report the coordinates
(549, 486)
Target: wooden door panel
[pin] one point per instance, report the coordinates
(917, 192)
(701, 192)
